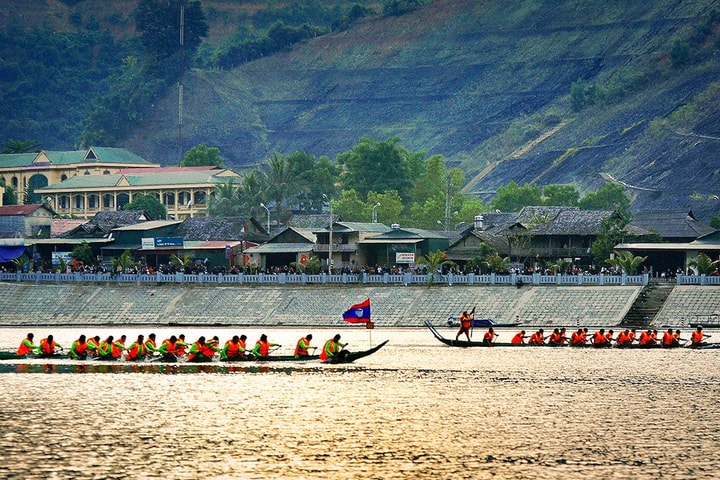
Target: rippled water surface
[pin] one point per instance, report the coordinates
(415, 409)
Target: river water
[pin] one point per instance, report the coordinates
(415, 409)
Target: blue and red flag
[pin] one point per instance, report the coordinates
(358, 313)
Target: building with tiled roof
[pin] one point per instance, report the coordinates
(672, 225)
(33, 171)
(23, 221)
(183, 191)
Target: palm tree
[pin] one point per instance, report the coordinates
(182, 263)
(123, 262)
(279, 181)
(704, 264)
(250, 193)
(496, 263)
(625, 260)
(224, 203)
(434, 261)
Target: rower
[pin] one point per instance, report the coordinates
(577, 338)
(668, 340)
(169, 348)
(519, 338)
(490, 336)
(333, 348)
(48, 346)
(27, 346)
(623, 338)
(262, 346)
(555, 338)
(231, 349)
(78, 350)
(599, 339)
(302, 346)
(697, 339)
(137, 349)
(537, 338)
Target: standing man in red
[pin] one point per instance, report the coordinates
(465, 323)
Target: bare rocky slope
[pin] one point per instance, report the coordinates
(487, 84)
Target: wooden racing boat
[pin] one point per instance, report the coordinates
(32, 356)
(347, 357)
(464, 343)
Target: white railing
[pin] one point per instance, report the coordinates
(363, 278)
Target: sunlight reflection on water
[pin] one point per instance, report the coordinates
(416, 409)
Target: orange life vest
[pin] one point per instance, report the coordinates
(233, 349)
(518, 338)
(599, 338)
(24, 347)
(301, 348)
(47, 348)
(696, 337)
(668, 339)
(136, 350)
(264, 349)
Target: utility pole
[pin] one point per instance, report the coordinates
(180, 80)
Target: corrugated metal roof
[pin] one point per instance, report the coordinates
(140, 179)
(281, 248)
(148, 225)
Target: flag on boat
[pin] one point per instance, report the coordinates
(358, 313)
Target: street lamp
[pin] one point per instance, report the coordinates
(374, 212)
(330, 240)
(268, 216)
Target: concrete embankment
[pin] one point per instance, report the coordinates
(315, 305)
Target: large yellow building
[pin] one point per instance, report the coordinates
(184, 191)
(29, 172)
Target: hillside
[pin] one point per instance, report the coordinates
(485, 83)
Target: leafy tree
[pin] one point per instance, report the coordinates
(22, 263)
(703, 264)
(10, 196)
(20, 146)
(715, 221)
(378, 166)
(560, 195)
(612, 232)
(390, 209)
(158, 22)
(610, 196)
(350, 206)
(313, 178)
(625, 260)
(312, 265)
(201, 156)
(83, 253)
(149, 204)
(513, 197)
(496, 263)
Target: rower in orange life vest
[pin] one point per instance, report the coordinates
(78, 349)
(647, 338)
(697, 338)
(262, 347)
(537, 338)
(577, 338)
(48, 346)
(106, 347)
(489, 336)
(465, 323)
(27, 346)
(669, 339)
(137, 350)
(232, 350)
(303, 345)
(118, 346)
(150, 345)
(93, 347)
(599, 339)
(333, 348)
(169, 348)
(519, 337)
(556, 338)
(623, 338)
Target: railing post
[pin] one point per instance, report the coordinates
(702, 279)
(623, 280)
(344, 277)
(282, 278)
(471, 278)
(364, 277)
(580, 278)
(385, 278)
(492, 278)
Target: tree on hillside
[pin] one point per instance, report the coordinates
(513, 197)
(201, 156)
(378, 166)
(158, 22)
(313, 178)
(279, 182)
(250, 193)
(350, 207)
(560, 195)
(390, 209)
(610, 196)
(149, 204)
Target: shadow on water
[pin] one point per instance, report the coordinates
(155, 368)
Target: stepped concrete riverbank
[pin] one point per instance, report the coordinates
(319, 305)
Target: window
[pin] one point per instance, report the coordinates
(108, 200)
(169, 199)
